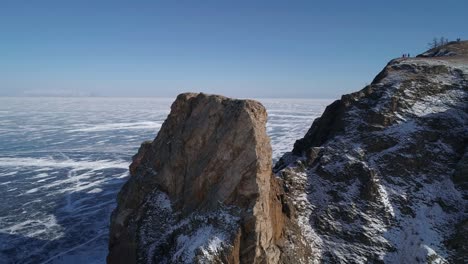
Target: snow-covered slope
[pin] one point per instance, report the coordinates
(381, 177)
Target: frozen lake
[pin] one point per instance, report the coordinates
(63, 161)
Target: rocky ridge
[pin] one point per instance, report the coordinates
(381, 176)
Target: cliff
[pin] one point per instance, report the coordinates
(381, 176)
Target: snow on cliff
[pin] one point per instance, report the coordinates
(379, 165)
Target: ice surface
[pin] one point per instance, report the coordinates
(63, 160)
(119, 126)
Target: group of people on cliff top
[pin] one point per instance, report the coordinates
(406, 55)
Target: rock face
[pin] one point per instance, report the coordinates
(203, 190)
(381, 176)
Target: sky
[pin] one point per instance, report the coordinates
(269, 49)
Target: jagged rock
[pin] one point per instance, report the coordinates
(203, 190)
(385, 176)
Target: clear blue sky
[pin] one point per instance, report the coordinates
(317, 49)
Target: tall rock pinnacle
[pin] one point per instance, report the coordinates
(203, 190)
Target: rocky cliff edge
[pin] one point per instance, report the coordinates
(381, 176)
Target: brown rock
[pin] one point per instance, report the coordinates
(211, 154)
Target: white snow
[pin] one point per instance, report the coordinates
(119, 126)
(438, 103)
(206, 238)
(34, 228)
(68, 163)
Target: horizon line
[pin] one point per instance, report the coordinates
(159, 97)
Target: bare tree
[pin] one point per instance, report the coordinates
(446, 41)
(438, 42)
(442, 41)
(434, 43)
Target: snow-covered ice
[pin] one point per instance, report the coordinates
(63, 161)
